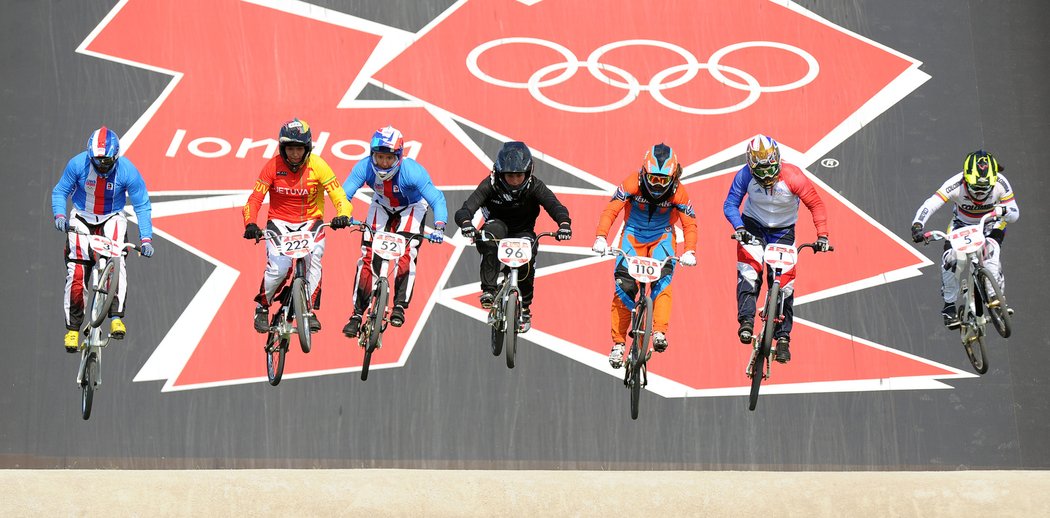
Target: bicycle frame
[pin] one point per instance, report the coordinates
(645, 271)
(968, 244)
(514, 253)
(103, 279)
(388, 247)
(777, 259)
(293, 298)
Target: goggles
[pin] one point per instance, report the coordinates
(660, 180)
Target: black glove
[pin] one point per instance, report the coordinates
(564, 232)
(743, 236)
(822, 244)
(339, 222)
(252, 231)
(468, 230)
(917, 233)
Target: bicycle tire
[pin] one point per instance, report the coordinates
(87, 385)
(276, 347)
(758, 373)
(998, 314)
(96, 312)
(299, 305)
(374, 325)
(635, 384)
(976, 354)
(510, 334)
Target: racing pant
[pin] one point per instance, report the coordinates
(623, 300)
(279, 267)
(490, 265)
(749, 282)
(80, 261)
(406, 221)
(991, 260)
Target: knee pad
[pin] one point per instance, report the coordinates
(745, 273)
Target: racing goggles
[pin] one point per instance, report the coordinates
(658, 180)
(104, 163)
(765, 172)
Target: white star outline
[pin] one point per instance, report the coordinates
(172, 354)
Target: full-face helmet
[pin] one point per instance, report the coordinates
(103, 149)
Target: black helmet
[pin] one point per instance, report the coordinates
(295, 133)
(513, 157)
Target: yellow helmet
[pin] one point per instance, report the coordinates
(981, 173)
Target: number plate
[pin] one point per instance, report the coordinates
(781, 256)
(967, 239)
(104, 246)
(515, 252)
(389, 246)
(296, 244)
(644, 269)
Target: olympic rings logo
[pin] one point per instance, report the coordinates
(540, 78)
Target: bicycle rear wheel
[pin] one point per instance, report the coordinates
(510, 333)
(758, 372)
(300, 302)
(100, 300)
(994, 302)
(87, 385)
(276, 347)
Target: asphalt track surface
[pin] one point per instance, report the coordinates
(454, 407)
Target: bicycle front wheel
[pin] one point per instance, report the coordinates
(759, 371)
(100, 300)
(87, 385)
(276, 347)
(974, 346)
(374, 324)
(300, 308)
(510, 334)
(994, 302)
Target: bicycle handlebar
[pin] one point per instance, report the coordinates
(482, 233)
(125, 245)
(620, 251)
(756, 241)
(362, 227)
(270, 234)
(937, 235)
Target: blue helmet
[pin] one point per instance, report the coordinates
(387, 140)
(103, 148)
